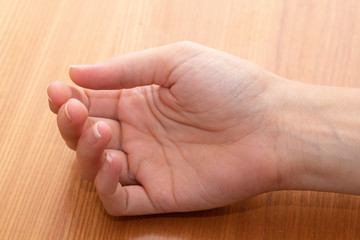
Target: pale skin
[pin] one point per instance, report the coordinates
(184, 127)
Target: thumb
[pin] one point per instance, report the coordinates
(146, 67)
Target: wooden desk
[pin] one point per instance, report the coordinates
(41, 195)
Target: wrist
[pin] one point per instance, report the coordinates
(318, 137)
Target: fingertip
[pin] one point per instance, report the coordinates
(82, 75)
(72, 73)
(102, 130)
(107, 162)
(107, 179)
(47, 92)
(75, 111)
(52, 106)
(90, 150)
(67, 111)
(73, 70)
(110, 191)
(58, 93)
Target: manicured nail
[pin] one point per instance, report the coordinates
(107, 162)
(66, 110)
(96, 130)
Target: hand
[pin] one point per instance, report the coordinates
(176, 128)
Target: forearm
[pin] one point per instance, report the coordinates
(318, 141)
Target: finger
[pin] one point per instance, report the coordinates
(72, 120)
(116, 134)
(54, 108)
(126, 177)
(119, 200)
(146, 67)
(90, 149)
(59, 93)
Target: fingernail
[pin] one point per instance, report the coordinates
(96, 130)
(66, 110)
(48, 94)
(78, 66)
(107, 162)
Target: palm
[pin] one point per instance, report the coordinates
(173, 136)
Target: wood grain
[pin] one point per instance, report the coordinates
(42, 197)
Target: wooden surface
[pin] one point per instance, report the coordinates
(41, 195)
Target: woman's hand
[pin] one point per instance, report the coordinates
(175, 128)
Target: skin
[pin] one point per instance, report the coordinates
(183, 127)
